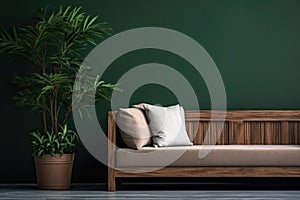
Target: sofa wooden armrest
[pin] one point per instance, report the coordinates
(242, 127)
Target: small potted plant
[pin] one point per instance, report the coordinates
(54, 45)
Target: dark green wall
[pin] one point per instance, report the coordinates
(255, 44)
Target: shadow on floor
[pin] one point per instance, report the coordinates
(137, 184)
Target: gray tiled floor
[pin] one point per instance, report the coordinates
(30, 192)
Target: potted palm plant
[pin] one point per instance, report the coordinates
(54, 45)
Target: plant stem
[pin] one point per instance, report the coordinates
(51, 111)
(55, 113)
(44, 122)
(66, 115)
(42, 67)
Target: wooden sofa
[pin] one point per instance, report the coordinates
(244, 127)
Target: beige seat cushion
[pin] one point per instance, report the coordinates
(220, 155)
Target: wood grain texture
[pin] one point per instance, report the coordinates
(210, 172)
(190, 130)
(254, 133)
(111, 152)
(284, 133)
(198, 132)
(236, 132)
(204, 129)
(272, 132)
(241, 115)
(224, 137)
(294, 132)
(246, 127)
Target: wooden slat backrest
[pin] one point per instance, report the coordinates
(245, 127)
(240, 127)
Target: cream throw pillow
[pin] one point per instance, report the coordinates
(133, 127)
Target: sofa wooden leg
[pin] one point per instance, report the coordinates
(111, 181)
(112, 185)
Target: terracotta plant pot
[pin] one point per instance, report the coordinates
(54, 172)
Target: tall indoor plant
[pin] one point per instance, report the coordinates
(54, 45)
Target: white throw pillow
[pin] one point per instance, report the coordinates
(167, 125)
